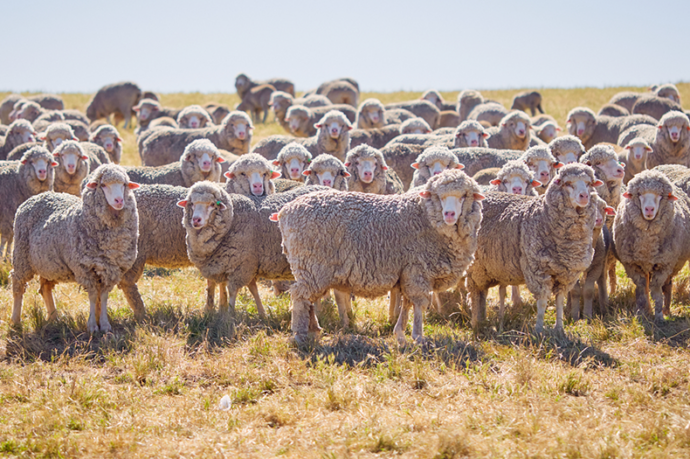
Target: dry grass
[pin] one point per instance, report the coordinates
(616, 387)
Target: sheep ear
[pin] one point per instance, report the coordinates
(276, 163)
(503, 124)
(385, 168)
(42, 138)
(597, 183)
(425, 194)
(609, 211)
(56, 155)
(347, 164)
(136, 109)
(274, 217)
(650, 148)
(687, 127)
(485, 134)
(558, 129)
(478, 196)
(628, 147)
(671, 197)
(557, 165)
(275, 175)
(458, 134)
(307, 172)
(133, 185)
(317, 126)
(24, 162)
(460, 166)
(229, 175)
(414, 165)
(589, 163)
(73, 138)
(53, 163)
(117, 139)
(85, 158)
(182, 203)
(92, 185)
(220, 160)
(346, 174)
(660, 126)
(536, 183)
(627, 195)
(221, 206)
(496, 182)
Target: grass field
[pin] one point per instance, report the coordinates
(615, 387)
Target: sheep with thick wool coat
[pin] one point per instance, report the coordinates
(612, 110)
(108, 138)
(516, 178)
(376, 138)
(432, 162)
(369, 172)
(302, 121)
(73, 167)
(292, 160)
(592, 129)
(251, 175)
(470, 134)
(19, 132)
(194, 117)
(415, 126)
(668, 149)
(655, 106)
(91, 241)
(489, 112)
(467, 101)
(513, 132)
(421, 108)
(567, 149)
(327, 170)
(413, 243)
(543, 165)
(651, 233)
(544, 242)
(634, 156)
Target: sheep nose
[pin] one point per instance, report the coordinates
(649, 210)
(544, 175)
(580, 131)
(327, 183)
(194, 125)
(449, 214)
(584, 197)
(517, 190)
(240, 135)
(258, 188)
(294, 171)
(367, 175)
(196, 221)
(473, 143)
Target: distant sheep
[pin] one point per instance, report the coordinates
(435, 98)
(6, 107)
(256, 101)
(467, 101)
(547, 131)
(302, 120)
(592, 129)
(415, 126)
(512, 134)
(421, 108)
(194, 117)
(477, 158)
(448, 118)
(243, 84)
(515, 178)
(527, 100)
(118, 99)
(148, 110)
(72, 169)
(217, 111)
(656, 107)
(370, 114)
(108, 138)
(342, 92)
(567, 149)
(369, 172)
(635, 157)
(543, 165)
(490, 112)
(19, 132)
(613, 110)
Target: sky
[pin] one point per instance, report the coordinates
(201, 45)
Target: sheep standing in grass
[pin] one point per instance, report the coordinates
(33, 174)
(543, 165)
(117, 99)
(527, 101)
(292, 160)
(369, 172)
(91, 241)
(194, 117)
(634, 156)
(544, 242)
(470, 134)
(512, 134)
(251, 175)
(244, 84)
(567, 149)
(651, 233)
(256, 100)
(432, 162)
(414, 243)
(592, 129)
(327, 170)
(108, 138)
(72, 169)
(19, 132)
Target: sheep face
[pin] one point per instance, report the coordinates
(470, 137)
(201, 211)
(23, 130)
(516, 125)
(437, 163)
(365, 163)
(146, 109)
(577, 188)
(581, 123)
(516, 182)
(548, 131)
(326, 170)
(30, 111)
(453, 195)
(252, 177)
(452, 205)
(53, 138)
(602, 211)
(567, 149)
(675, 127)
(637, 153)
(239, 126)
(335, 123)
(70, 156)
(541, 168)
(294, 166)
(193, 119)
(41, 165)
(114, 189)
(433, 97)
(297, 119)
(280, 101)
(669, 92)
(371, 115)
(200, 161)
(108, 139)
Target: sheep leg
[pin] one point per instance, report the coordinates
(210, 293)
(667, 288)
(541, 310)
(301, 319)
(265, 115)
(47, 294)
(420, 303)
(401, 324)
(641, 292)
(18, 289)
(95, 306)
(103, 301)
(254, 290)
(3, 244)
(658, 297)
(541, 110)
(603, 294)
(228, 298)
(515, 297)
(611, 269)
(129, 288)
(342, 299)
(560, 300)
(531, 109)
(478, 303)
(314, 328)
(394, 306)
(588, 295)
(436, 301)
(501, 306)
(574, 301)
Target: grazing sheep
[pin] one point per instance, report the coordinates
(72, 169)
(547, 131)
(543, 165)
(512, 134)
(634, 156)
(200, 161)
(332, 137)
(527, 100)
(412, 244)
(243, 84)
(327, 170)
(449, 119)
(91, 241)
(592, 129)
(671, 143)
(118, 99)
(432, 162)
(613, 110)
(544, 242)
(369, 172)
(470, 134)
(370, 114)
(467, 101)
(256, 101)
(421, 108)
(376, 138)
(48, 101)
(651, 233)
(400, 157)
(654, 106)
(415, 126)
(33, 174)
(148, 110)
(19, 132)
(490, 112)
(342, 92)
(217, 111)
(515, 178)
(109, 139)
(167, 145)
(251, 175)
(194, 117)
(567, 149)
(292, 160)
(302, 120)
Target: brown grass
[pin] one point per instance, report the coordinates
(616, 387)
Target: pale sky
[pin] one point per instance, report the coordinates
(201, 45)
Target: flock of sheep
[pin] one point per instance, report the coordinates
(407, 199)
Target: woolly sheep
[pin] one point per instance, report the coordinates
(613, 110)
(435, 98)
(255, 101)
(432, 162)
(33, 174)
(592, 129)
(567, 149)
(467, 101)
(669, 91)
(292, 160)
(376, 138)
(470, 134)
(323, 87)
(671, 143)
(148, 110)
(327, 170)
(625, 99)
(302, 120)
(31, 111)
(370, 114)
(194, 117)
(544, 242)
(415, 126)
(527, 100)
(369, 172)
(635, 157)
(490, 112)
(679, 175)
(217, 111)
(448, 118)
(251, 175)
(543, 165)
(109, 139)
(485, 176)
(412, 243)
(48, 101)
(80, 129)
(167, 145)
(515, 178)
(6, 107)
(421, 108)
(19, 132)
(512, 134)
(118, 99)
(476, 158)
(342, 92)
(651, 233)
(72, 169)
(547, 131)
(281, 101)
(243, 84)
(400, 157)
(91, 241)
(656, 107)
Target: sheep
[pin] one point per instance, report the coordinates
(342, 92)
(283, 185)
(543, 165)
(323, 87)
(613, 110)
(415, 126)
(448, 118)
(421, 108)
(400, 157)
(376, 138)
(251, 175)
(167, 145)
(370, 114)
(671, 143)
(654, 106)
(412, 243)
(396, 116)
(41, 123)
(592, 129)
(327, 170)
(476, 158)
(231, 240)
(33, 174)
(490, 112)
(118, 99)
(584, 287)
(625, 99)
(544, 242)
(432, 162)
(516, 178)
(150, 95)
(369, 172)
(293, 160)
(513, 133)
(244, 84)
(200, 161)
(6, 107)
(91, 241)
(668, 91)
(3, 130)
(280, 102)
(467, 100)
(80, 129)
(302, 120)
(547, 131)
(679, 175)
(314, 100)
(527, 100)
(19, 132)
(332, 136)
(217, 111)
(194, 117)
(72, 169)
(148, 110)
(256, 100)
(634, 156)
(48, 101)
(470, 134)
(435, 98)
(31, 111)
(109, 139)
(163, 121)
(651, 233)
(567, 149)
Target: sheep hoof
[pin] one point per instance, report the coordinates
(106, 328)
(402, 342)
(301, 339)
(419, 340)
(539, 329)
(52, 316)
(92, 325)
(659, 319)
